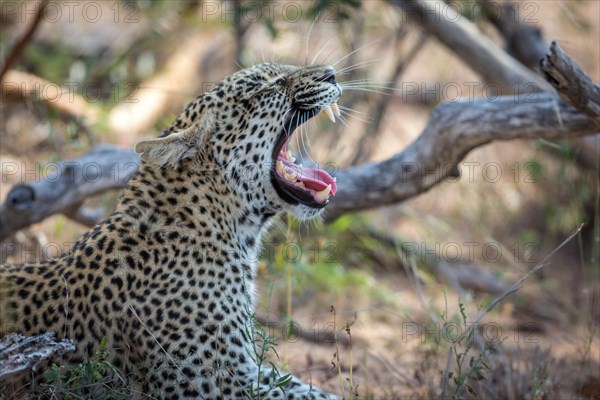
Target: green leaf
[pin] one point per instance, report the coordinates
(283, 381)
(53, 374)
(102, 344)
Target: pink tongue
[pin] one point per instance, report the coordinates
(314, 179)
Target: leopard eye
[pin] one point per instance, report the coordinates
(281, 81)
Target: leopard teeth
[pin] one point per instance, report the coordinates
(336, 109)
(329, 113)
(281, 168)
(323, 194)
(288, 155)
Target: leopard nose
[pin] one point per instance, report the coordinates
(328, 75)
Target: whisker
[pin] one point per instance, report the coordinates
(365, 83)
(352, 52)
(382, 89)
(320, 51)
(358, 65)
(262, 53)
(302, 148)
(344, 120)
(297, 140)
(353, 116)
(349, 110)
(329, 55)
(370, 90)
(238, 65)
(312, 25)
(307, 147)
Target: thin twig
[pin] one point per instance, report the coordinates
(22, 43)
(517, 285)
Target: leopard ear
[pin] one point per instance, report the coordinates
(168, 151)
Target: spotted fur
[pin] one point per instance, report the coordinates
(168, 278)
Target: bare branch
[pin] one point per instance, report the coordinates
(19, 86)
(184, 72)
(463, 38)
(572, 83)
(22, 43)
(522, 40)
(322, 337)
(453, 130)
(66, 188)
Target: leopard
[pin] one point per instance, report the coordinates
(168, 280)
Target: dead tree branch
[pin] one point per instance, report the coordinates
(65, 189)
(19, 86)
(463, 38)
(321, 337)
(19, 354)
(574, 85)
(522, 40)
(194, 59)
(454, 129)
(22, 43)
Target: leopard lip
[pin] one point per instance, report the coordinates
(289, 178)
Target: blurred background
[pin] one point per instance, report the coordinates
(375, 298)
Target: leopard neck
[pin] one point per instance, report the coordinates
(195, 203)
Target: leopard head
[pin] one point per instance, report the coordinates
(243, 127)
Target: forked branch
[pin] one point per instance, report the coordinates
(454, 130)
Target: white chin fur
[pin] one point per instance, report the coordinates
(304, 213)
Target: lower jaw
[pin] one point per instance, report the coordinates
(303, 198)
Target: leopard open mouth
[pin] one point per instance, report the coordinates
(294, 182)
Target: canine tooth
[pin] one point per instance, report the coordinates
(290, 177)
(335, 109)
(329, 113)
(289, 156)
(323, 194)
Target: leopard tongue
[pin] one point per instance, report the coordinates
(314, 180)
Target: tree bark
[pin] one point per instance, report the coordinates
(19, 354)
(65, 189)
(454, 129)
(522, 40)
(574, 85)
